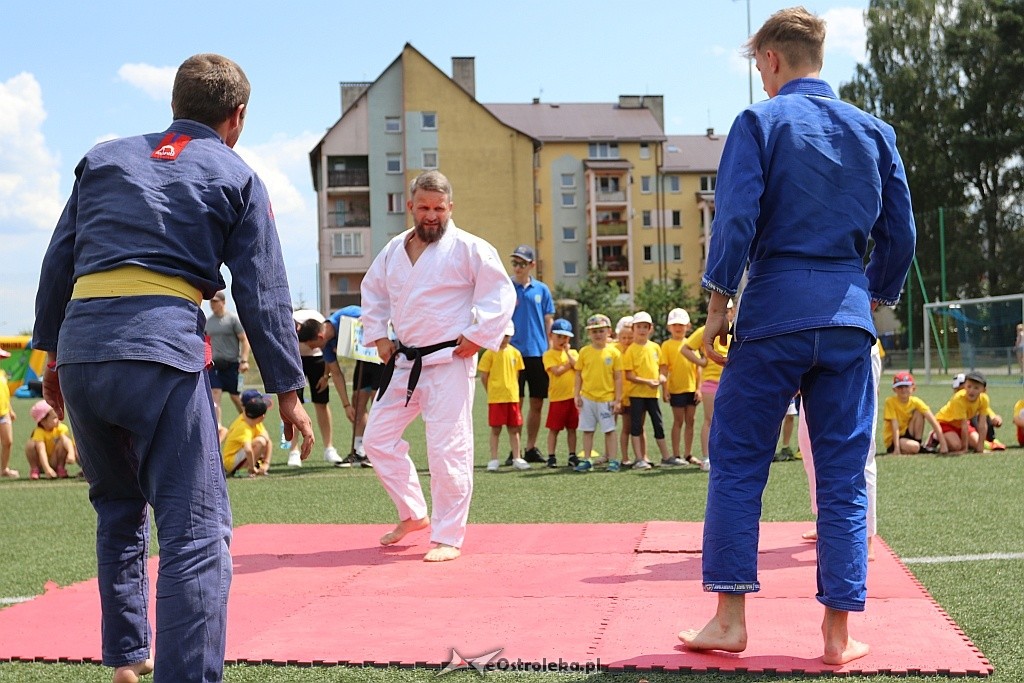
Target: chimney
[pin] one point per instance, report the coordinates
(464, 73)
(711, 132)
(654, 103)
(350, 92)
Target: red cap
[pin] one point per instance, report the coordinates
(903, 379)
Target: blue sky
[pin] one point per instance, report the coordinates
(74, 74)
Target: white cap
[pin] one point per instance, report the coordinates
(510, 329)
(624, 321)
(642, 317)
(678, 316)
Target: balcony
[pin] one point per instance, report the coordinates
(353, 178)
(614, 265)
(338, 219)
(612, 229)
(605, 197)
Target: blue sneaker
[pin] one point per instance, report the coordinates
(613, 466)
(584, 466)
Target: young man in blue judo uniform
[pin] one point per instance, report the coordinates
(150, 221)
(804, 181)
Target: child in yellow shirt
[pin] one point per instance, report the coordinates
(247, 443)
(1018, 420)
(598, 391)
(904, 417)
(680, 392)
(710, 374)
(7, 418)
(50, 448)
(499, 373)
(645, 370)
(955, 417)
(560, 364)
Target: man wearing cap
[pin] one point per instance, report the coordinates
(447, 295)
(535, 310)
(805, 184)
(141, 242)
(230, 349)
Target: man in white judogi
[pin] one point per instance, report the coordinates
(446, 293)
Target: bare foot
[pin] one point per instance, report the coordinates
(406, 526)
(132, 672)
(442, 553)
(716, 636)
(840, 648)
(811, 535)
(871, 548)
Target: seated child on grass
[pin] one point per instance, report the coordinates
(499, 373)
(598, 392)
(247, 443)
(1018, 420)
(994, 420)
(560, 364)
(50, 448)
(905, 415)
(955, 417)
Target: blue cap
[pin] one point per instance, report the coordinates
(255, 403)
(563, 327)
(525, 252)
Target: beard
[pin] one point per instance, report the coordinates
(430, 233)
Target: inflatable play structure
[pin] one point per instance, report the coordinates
(25, 366)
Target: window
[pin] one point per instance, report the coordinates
(568, 200)
(645, 184)
(430, 158)
(604, 150)
(396, 202)
(428, 120)
(645, 150)
(568, 180)
(568, 234)
(648, 253)
(673, 183)
(708, 182)
(569, 269)
(677, 219)
(392, 124)
(348, 244)
(607, 183)
(646, 218)
(677, 252)
(393, 163)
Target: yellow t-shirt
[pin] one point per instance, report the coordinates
(682, 374)
(5, 394)
(503, 368)
(49, 438)
(959, 408)
(695, 342)
(562, 387)
(240, 433)
(901, 412)
(597, 368)
(1018, 408)
(645, 362)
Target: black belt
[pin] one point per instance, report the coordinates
(416, 356)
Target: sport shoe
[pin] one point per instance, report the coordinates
(552, 461)
(705, 465)
(643, 465)
(34, 473)
(785, 455)
(573, 461)
(534, 455)
(673, 462)
(508, 460)
(492, 466)
(348, 461)
(361, 461)
(584, 466)
(62, 473)
(995, 445)
(613, 465)
(295, 459)
(520, 464)
(331, 456)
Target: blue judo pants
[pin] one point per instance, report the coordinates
(147, 436)
(831, 367)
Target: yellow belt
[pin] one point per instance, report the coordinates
(133, 281)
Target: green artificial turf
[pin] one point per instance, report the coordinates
(928, 506)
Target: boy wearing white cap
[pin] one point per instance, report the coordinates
(499, 373)
(680, 392)
(560, 364)
(645, 370)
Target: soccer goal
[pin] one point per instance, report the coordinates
(974, 334)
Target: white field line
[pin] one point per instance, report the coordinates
(945, 559)
(16, 600)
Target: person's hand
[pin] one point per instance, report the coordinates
(243, 366)
(697, 398)
(321, 383)
(996, 420)
(294, 417)
(385, 349)
(350, 413)
(716, 326)
(51, 391)
(465, 348)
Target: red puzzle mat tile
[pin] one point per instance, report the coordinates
(612, 595)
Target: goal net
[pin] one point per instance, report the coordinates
(974, 334)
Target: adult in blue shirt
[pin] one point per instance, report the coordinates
(534, 313)
(805, 180)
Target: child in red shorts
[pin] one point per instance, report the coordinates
(560, 364)
(499, 373)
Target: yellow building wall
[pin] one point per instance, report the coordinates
(489, 164)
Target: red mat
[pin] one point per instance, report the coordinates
(549, 596)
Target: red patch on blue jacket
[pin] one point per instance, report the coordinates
(170, 147)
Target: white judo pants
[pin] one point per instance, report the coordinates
(870, 468)
(444, 397)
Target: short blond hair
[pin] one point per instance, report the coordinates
(431, 181)
(795, 33)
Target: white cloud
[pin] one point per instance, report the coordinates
(155, 81)
(846, 34)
